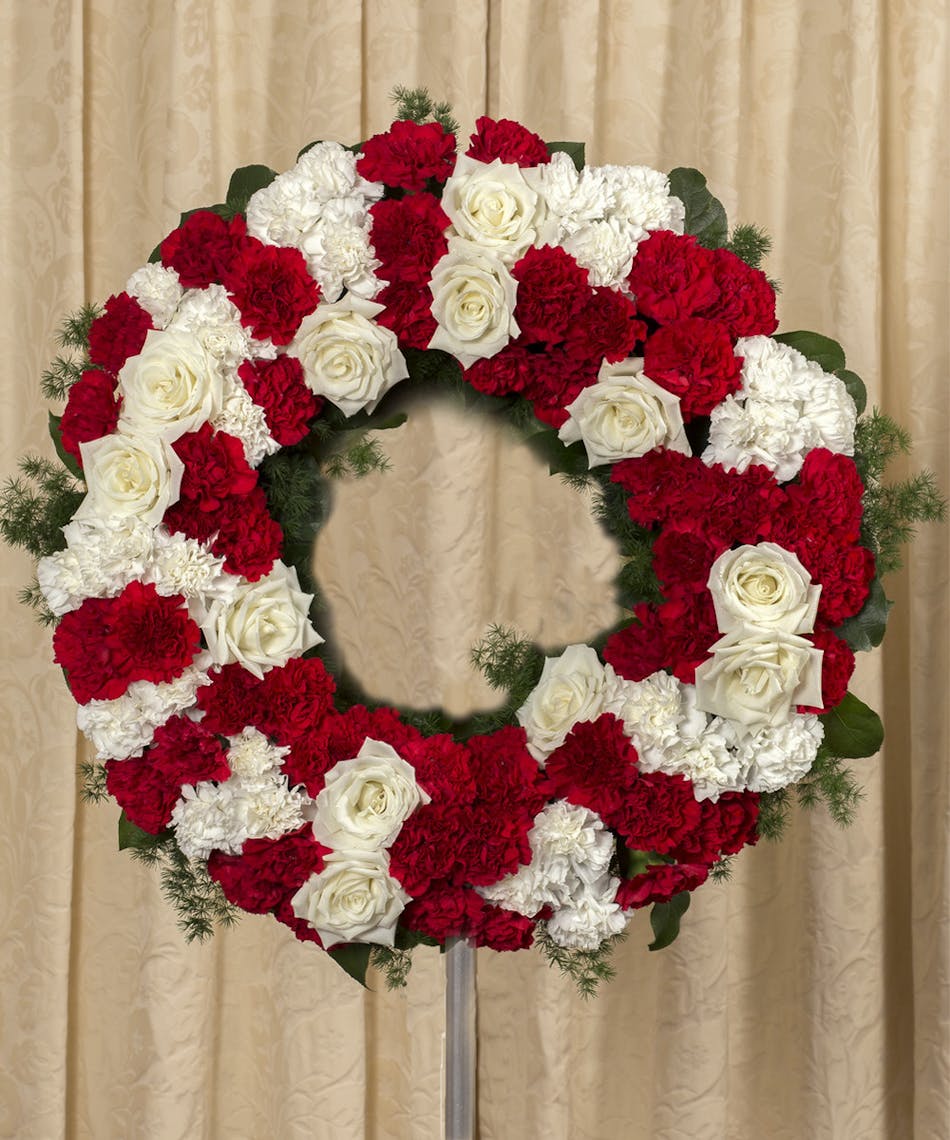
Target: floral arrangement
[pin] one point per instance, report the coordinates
(607, 313)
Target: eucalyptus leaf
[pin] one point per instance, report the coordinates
(574, 150)
(245, 182)
(855, 385)
(354, 958)
(665, 920)
(852, 730)
(67, 460)
(705, 215)
(822, 350)
(865, 630)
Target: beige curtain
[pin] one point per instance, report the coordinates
(806, 998)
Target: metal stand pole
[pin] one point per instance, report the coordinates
(459, 1062)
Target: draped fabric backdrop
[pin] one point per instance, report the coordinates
(806, 998)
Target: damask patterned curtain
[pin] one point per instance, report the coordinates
(807, 997)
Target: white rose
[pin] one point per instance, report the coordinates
(624, 415)
(492, 205)
(170, 388)
(264, 625)
(366, 799)
(572, 688)
(473, 301)
(763, 585)
(129, 475)
(346, 356)
(353, 899)
(756, 676)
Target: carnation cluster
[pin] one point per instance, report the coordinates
(590, 302)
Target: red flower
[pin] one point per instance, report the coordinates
(408, 154)
(683, 555)
(272, 289)
(294, 699)
(268, 872)
(118, 333)
(672, 277)
(231, 701)
(746, 301)
(278, 387)
(837, 665)
(408, 237)
(693, 358)
(724, 828)
(108, 643)
(658, 812)
(830, 489)
(507, 140)
(216, 469)
(594, 767)
(203, 248)
(552, 290)
(148, 788)
(446, 912)
(605, 328)
(556, 380)
(510, 370)
(407, 313)
(91, 411)
(501, 929)
(660, 884)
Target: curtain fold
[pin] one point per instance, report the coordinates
(808, 996)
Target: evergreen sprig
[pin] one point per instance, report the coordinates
(35, 508)
(831, 782)
(587, 968)
(74, 331)
(92, 782)
(750, 243)
(198, 900)
(891, 510)
(392, 962)
(774, 808)
(32, 596)
(416, 103)
(357, 460)
(509, 661)
(59, 377)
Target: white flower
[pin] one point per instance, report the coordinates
(265, 810)
(339, 252)
(181, 565)
(778, 755)
(755, 676)
(253, 759)
(605, 249)
(658, 713)
(122, 727)
(60, 580)
(573, 198)
(213, 320)
(624, 415)
(493, 206)
(366, 799)
(707, 759)
(592, 917)
(138, 476)
(111, 552)
(170, 388)
(763, 585)
(572, 688)
(473, 301)
(353, 899)
(346, 356)
(157, 290)
(265, 625)
(241, 417)
(642, 199)
(203, 822)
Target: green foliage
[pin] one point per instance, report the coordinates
(65, 370)
(705, 215)
(855, 388)
(774, 808)
(832, 783)
(751, 244)
(245, 182)
(61, 375)
(198, 900)
(509, 661)
(353, 957)
(822, 350)
(32, 596)
(416, 104)
(665, 920)
(721, 870)
(636, 581)
(35, 508)
(574, 151)
(852, 729)
(359, 459)
(74, 331)
(394, 963)
(92, 782)
(865, 630)
(587, 968)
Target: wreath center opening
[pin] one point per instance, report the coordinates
(465, 529)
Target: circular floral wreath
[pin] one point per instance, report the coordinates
(606, 312)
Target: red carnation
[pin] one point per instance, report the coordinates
(147, 789)
(694, 359)
(828, 488)
(746, 300)
(510, 370)
(408, 237)
(118, 333)
(268, 872)
(501, 929)
(278, 387)
(658, 812)
(408, 154)
(552, 290)
(216, 468)
(507, 140)
(294, 699)
(683, 555)
(446, 912)
(606, 327)
(837, 665)
(407, 313)
(672, 277)
(272, 289)
(594, 767)
(230, 703)
(724, 828)
(660, 884)
(248, 538)
(556, 380)
(91, 411)
(108, 643)
(203, 247)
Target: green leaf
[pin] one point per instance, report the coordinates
(824, 351)
(665, 920)
(865, 630)
(852, 729)
(855, 385)
(705, 215)
(561, 460)
(245, 182)
(354, 958)
(574, 150)
(67, 460)
(133, 836)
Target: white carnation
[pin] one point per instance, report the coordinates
(573, 198)
(241, 417)
(592, 917)
(707, 759)
(642, 199)
(214, 321)
(253, 759)
(61, 582)
(782, 754)
(157, 290)
(203, 821)
(266, 810)
(605, 249)
(181, 565)
(339, 253)
(657, 713)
